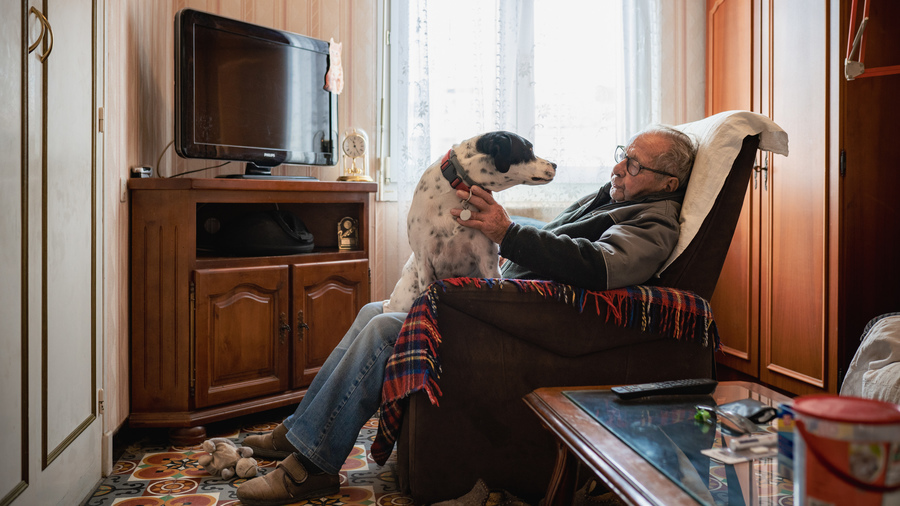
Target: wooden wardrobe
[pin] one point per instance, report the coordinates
(815, 254)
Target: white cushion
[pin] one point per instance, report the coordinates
(719, 140)
(874, 372)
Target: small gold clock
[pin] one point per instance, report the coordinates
(355, 147)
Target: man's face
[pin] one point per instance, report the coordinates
(644, 150)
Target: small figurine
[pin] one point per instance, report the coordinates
(334, 77)
(348, 235)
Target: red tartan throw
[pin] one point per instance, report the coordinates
(415, 363)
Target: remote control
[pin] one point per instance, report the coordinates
(696, 386)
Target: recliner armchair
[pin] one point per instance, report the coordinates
(500, 344)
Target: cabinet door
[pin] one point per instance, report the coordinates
(793, 292)
(732, 64)
(327, 297)
(241, 336)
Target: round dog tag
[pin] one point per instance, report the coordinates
(465, 214)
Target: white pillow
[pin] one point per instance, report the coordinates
(719, 139)
(874, 372)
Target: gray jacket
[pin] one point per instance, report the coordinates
(595, 243)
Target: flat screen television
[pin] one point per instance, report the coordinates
(245, 92)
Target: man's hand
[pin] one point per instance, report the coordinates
(487, 215)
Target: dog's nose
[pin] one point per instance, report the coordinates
(553, 165)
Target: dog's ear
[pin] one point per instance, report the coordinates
(499, 146)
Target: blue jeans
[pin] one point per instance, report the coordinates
(346, 392)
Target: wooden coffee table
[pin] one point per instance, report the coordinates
(583, 440)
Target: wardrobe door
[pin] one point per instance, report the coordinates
(794, 299)
(67, 217)
(732, 63)
(13, 349)
(58, 288)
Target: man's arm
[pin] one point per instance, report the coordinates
(626, 253)
(592, 253)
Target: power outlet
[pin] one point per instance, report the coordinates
(123, 189)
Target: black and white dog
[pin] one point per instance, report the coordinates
(441, 247)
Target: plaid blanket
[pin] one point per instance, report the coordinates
(415, 363)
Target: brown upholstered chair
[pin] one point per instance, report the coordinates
(498, 345)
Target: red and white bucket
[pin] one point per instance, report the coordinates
(846, 451)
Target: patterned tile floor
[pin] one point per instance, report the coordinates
(151, 472)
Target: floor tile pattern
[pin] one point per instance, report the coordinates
(150, 472)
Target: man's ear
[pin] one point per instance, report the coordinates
(671, 184)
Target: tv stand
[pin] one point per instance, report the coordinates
(215, 337)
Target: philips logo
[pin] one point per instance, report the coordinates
(269, 155)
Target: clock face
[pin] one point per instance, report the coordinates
(354, 145)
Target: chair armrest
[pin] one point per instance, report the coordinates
(569, 321)
(552, 324)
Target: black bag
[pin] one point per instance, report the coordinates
(265, 233)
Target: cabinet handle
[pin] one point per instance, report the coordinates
(301, 325)
(757, 169)
(283, 327)
(45, 30)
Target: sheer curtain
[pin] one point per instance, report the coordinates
(665, 72)
(576, 77)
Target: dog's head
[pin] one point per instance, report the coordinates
(498, 160)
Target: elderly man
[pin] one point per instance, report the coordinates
(616, 238)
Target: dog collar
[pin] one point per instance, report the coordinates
(451, 172)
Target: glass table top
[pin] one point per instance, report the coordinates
(664, 431)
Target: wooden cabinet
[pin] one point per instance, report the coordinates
(786, 302)
(217, 336)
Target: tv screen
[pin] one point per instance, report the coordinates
(249, 93)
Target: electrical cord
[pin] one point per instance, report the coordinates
(161, 155)
(158, 160)
(198, 170)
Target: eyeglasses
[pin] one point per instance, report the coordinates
(635, 168)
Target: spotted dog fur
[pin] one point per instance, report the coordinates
(442, 248)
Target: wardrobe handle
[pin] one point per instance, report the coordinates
(40, 17)
(757, 169)
(45, 30)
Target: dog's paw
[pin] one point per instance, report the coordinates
(394, 307)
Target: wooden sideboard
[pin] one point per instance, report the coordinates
(213, 336)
